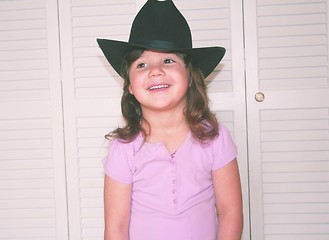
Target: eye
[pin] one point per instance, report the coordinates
(141, 65)
(168, 60)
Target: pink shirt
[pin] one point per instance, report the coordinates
(172, 196)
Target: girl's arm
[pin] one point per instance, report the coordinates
(228, 194)
(117, 200)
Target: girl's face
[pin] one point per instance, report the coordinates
(159, 81)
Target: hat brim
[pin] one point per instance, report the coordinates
(206, 58)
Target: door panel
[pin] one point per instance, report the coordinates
(32, 165)
(287, 60)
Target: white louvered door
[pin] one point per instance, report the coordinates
(287, 60)
(32, 165)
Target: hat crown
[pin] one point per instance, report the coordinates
(160, 25)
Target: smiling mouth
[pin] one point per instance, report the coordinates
(158, 87)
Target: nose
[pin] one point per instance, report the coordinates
(156, 70)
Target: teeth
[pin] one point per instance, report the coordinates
(159, 87)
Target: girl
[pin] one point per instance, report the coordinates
(172, 165)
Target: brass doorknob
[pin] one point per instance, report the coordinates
(260, 97)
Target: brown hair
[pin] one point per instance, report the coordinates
(202, 122)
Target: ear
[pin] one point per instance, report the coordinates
(130, 90)
(190, 80)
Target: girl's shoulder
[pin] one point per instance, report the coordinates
(223, 130)
(224, 135)
(223, 149)
(222, 139)
(117, 144)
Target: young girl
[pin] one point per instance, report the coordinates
(172, 165)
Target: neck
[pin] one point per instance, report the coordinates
(165, 123)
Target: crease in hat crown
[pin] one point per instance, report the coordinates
(159, 25)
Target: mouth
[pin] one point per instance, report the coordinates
(158, 87)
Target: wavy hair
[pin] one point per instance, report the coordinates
(202, 122)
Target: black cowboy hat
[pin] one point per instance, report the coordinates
(160, 26)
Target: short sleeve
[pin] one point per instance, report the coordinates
(117, 163)
(224, 149)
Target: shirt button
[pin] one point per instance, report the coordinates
(172, 162)
(174, 201)
(173, 181)
(174, 191)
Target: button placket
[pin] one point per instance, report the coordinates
(173, 167)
